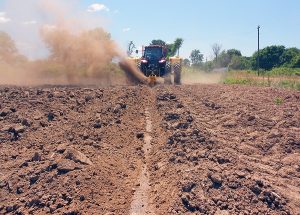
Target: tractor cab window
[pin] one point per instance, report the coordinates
(153, 52)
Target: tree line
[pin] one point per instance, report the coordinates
(269, 57)
(8, 50)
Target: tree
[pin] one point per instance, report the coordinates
(224, 59)
(130, 49)
(235, 62)
(172, 48)
(208, 66)
(234, 52)
(196, 57)
(158, 42)
(8, 50)
(287, 58)
(269, 57)
(171, 51)
(216, 50)
(295, 63)
(177, 45)
(186, 62)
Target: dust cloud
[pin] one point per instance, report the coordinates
(85, 54)
(202, 77)
(78, 53)
(79, 50)
(132, 72)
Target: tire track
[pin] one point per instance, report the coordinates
(140, 203)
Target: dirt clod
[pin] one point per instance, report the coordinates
(215, 149)
(36, 157)
(140, 135)
(77, 156)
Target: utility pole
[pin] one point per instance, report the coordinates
(258, 27)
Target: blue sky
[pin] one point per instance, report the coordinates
(231, 23)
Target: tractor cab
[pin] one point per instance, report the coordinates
(153, 61)
(156, 52)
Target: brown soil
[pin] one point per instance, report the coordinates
(215, 149)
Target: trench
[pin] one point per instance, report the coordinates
(140, 203)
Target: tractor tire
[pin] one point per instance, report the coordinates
(167, 76)
(177, 73)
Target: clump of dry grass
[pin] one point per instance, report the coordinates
(268, 79)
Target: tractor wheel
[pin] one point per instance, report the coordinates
(177, 73)
(167, 76)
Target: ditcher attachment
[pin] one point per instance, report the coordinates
(152, 80)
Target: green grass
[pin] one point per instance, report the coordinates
(289, 84)
(230, 80)
(283, 71)
(278, 101)
(275, 78)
